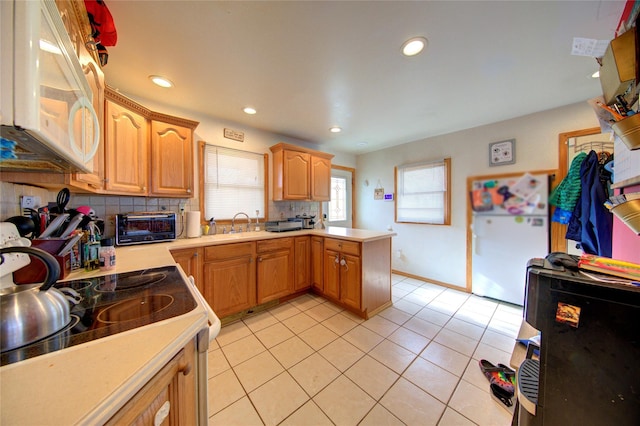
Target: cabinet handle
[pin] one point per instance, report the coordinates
(344, 263)
(195, 254)
(162, 413)
(188, 190)
(259, 259)
(186, 370)
(336, 261)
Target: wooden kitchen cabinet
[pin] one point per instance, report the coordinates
(76, 22)
(169, 398)
(275, 269)
(171, 156)
(357, 275)
(191, 261)
(302, 263)
(300, 174)
(317, 263)
(229, 277)
(342, 271)
(320, 178)
(126, 146)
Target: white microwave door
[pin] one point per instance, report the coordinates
(49, 76)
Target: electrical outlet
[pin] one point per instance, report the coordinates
(29, 202)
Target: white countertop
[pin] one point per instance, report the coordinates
(88, 383)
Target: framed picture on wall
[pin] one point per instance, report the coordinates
(503, 152)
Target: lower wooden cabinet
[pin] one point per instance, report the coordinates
(169, 398)
(317, 263)
(229, 277)
(275, 269)
(302, 263)
(236, 277)
(191, 261)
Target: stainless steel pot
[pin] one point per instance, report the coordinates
(32, 311)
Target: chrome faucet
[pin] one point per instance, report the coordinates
(234, 220)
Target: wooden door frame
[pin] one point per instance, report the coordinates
(558, 230)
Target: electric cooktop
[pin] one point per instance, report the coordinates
(112, 304)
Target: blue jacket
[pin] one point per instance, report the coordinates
(591, 223)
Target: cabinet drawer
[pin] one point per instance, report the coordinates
(348, 247)
(228, 251)
(274, 244)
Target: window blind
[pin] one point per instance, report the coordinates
(233, 182)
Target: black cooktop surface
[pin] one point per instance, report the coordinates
(112, 304)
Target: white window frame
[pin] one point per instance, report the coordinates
(220, 199)
(423, 192)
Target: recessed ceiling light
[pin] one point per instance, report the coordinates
(161, 81)
(335, 129)
(249, 110)
(361, 144)
(413, 46)
(596, 74)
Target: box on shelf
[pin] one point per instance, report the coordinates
(618, 68)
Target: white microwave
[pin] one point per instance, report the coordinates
(45, 100)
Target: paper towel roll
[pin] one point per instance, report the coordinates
(193, 224)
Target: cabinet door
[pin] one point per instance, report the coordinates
(191, 262)
(302, 273)
(171, 160)
(332, 274)
(350, 283)
(168, 398)
(230, 285)
(320, 179)
(296, 175)
(126, 150)
(95, 77)
(317, 257)
(274, 275)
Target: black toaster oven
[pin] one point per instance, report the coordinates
(145, 227)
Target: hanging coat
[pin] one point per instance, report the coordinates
(591, 223)
(566, 194)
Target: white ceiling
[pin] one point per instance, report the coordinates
(309, 65)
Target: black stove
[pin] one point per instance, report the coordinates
(112, 304)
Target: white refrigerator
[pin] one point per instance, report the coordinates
(510, 225)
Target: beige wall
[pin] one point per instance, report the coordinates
(439, 252)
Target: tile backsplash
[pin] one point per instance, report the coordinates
(107, 206)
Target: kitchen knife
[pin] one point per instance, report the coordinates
(69, 244)
(73, 224)
(54, 225)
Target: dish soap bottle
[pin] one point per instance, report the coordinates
(212, 227)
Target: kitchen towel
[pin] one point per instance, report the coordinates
(193, 224)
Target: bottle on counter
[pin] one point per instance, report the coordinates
(107, 255)
(212, 227)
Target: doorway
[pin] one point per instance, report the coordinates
(339, 211)
(569, 145)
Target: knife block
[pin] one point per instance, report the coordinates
(35, 271)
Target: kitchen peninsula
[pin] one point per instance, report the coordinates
(237, 272)
(92, 382)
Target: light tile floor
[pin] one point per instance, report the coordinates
(309, 362)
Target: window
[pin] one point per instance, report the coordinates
(337, 210)
(422, 192)
(233, 182)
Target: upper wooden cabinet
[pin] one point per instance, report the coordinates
(126, 148)
(146, 153)
(171, 157)
(300, 174)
